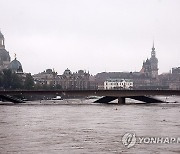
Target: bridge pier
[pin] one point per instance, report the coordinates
(121, 100)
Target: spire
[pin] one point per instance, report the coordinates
(1, 35)
(15, 57)
(153, 48)
(2, 45)
(153, 52)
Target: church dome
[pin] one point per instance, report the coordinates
(16, 66)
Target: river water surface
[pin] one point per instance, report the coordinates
(80, 126)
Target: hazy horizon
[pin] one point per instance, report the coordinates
(96, 35)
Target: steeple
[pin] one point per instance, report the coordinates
(153, 52)
(2, 45)
(15, 57)
(154, 63)
(153, 46)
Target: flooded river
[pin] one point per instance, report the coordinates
(80, 126)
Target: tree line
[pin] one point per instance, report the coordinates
(12, 81)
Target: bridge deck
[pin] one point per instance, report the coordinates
(110, 95)
(115, 93)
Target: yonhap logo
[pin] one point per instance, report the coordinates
(129, 139)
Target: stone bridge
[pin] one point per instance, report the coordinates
(107, 95)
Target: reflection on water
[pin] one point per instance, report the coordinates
(79, 126)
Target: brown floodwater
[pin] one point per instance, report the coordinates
(80, 126)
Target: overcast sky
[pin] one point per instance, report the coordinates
(94, 35)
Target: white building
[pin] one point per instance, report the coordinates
(118, 84)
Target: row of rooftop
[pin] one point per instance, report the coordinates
(147, 78)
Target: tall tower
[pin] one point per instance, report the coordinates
(4, 55)
(2, 46)
(154, 63)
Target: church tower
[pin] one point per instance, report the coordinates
(2, 46)
(4, 55)
(154, 63)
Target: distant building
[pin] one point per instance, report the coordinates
(146, 68)
(4, 54)
(78, 80)
(118, 84)
(47, 77)
(15, 66)
(139, 79)
(5, 59)
(171, 80)
(150, 66)
(154, 63)
(102, 77)
(176, 70)
(67, 81)
(174, 79)
(147, 78)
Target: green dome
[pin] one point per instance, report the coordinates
(16, 66)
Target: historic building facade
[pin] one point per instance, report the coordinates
(176, 70)
(147, 78)
(67, 81)
(171, 79)
(46, 77)
(138, 79)
(5, 59)
(78, 80)
(4, 54)
(150, 66)
(154, 63)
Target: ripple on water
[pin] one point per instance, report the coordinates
(79, 126)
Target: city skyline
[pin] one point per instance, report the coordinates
(96, 36)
